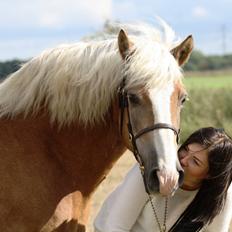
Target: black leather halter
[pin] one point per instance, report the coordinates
(124, 104)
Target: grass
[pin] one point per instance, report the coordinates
(212, 82)
(115, 176)
(210, 104)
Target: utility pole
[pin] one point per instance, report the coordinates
(223, 31)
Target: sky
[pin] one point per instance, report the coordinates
(27, 27)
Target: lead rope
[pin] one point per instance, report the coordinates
(162, 228)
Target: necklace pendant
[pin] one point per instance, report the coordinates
(164, 228)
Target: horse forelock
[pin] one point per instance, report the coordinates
(79, 81)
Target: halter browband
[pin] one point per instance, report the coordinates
(124, 103)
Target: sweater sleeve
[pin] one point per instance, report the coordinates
(221, 222)
(121, 209)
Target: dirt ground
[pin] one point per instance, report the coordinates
(113, 179)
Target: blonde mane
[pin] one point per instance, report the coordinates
(79, 81)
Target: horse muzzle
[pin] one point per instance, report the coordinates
(164, 181)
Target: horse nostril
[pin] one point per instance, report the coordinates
(181, 177)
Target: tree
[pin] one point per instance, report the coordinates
(9, 67)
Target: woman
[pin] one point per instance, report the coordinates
(203, 203)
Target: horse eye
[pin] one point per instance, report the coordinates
(183, 99)
(134, 99)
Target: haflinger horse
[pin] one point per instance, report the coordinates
(63, 125)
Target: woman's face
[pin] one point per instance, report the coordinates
(194, 161)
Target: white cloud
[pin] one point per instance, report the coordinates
(63, 12)
(28, 27)
(54, 13)
(200, 12)
(125, 10)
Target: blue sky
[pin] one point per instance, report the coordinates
(27, 27)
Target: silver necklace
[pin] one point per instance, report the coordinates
(162, 228)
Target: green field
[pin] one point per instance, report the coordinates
(210, 104)
(208, 82)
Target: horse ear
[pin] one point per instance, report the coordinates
(182, 52)
(123, 43)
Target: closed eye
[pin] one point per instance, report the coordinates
(196, 162)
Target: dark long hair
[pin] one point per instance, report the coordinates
(210, 199)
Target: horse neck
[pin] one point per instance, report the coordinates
(87, 153)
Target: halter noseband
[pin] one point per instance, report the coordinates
(158, 126)
(124, 103)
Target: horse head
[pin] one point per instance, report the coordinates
(150, 109)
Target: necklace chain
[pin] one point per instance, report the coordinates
(163, 227)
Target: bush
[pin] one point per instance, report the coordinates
(200, 62)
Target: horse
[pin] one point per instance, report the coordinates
(63, 125)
